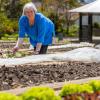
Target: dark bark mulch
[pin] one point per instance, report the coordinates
(36, 74)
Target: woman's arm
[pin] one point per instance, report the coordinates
(22, 32)
(19, 42)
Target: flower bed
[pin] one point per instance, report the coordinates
(35, 93)
(85, 91)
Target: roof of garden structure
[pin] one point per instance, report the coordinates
(93, 8)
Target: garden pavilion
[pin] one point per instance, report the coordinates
(85, 28)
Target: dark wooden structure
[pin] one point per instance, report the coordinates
(85, 31)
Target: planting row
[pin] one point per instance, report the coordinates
(7, 53)
(86, 91)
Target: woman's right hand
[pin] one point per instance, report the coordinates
(1, 52)
(15, 49)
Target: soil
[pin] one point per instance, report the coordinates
(47, 72)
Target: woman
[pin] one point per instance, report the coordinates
(39, 29)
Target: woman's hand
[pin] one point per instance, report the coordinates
(19, 42)
(1, 52)
(36, 52)
(53, 40)
(15, 49)
(38, 47)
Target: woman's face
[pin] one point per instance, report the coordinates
(29, 13)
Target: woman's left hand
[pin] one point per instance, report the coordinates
(36, 52)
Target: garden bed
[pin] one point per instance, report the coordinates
(47, 72)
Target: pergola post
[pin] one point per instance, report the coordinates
(80, 27)
(90, 28)
(85, 31)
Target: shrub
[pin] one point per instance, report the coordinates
(69, 89)
(95, 84)
(40, 93)
(8, 96)
(73, 30)
(96, 25)
(75, 89)
(7, 26)
(85, 88)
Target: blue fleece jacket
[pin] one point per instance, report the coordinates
(41, 31)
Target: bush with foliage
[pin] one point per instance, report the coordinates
(11, 11)
(7, 26)
(96, 25)
(69, 89)
(85, 88)
(58, 21)
(95, 84)
(40, 93)
(73, 31)
(8, 96)
(89, 88)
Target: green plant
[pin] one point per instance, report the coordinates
(69, 89)
(9, 54)
(73, 30)
(75, 89)
(95, 84)
(40, 93)
(7, 26)
(85, 88)
(96, 25)
(8, 96)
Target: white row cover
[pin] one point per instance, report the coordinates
(93, 7)
(86, 54)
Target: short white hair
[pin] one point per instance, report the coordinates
(29, 5)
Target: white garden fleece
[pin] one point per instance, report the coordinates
(85, 54)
